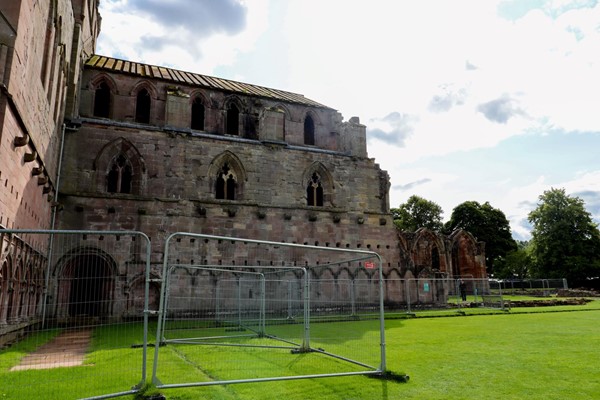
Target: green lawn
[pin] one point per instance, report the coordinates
(524, 354)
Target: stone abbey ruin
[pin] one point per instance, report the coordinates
(89, 142)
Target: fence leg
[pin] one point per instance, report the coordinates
(352, 298)
(407, 290)
(306, 344)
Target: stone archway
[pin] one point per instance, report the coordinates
(87, 286)
(5, 292)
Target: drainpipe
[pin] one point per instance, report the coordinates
(52, 225)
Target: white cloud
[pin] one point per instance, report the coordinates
(129, 34)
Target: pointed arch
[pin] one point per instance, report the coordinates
(283, 108)
(326, 286)
(120, 168)
(24, 291)
(428, 251)
(319, 185)
(102, 101)
(403, 243)
(394, 287)
(287, 116)
(143, 92)
(86, 283)
(309, 130)
(104, 89)
(468, 258)
(233, 110)
(227, 176)
(144, 84)
(13, 305)
(143, 104)
(198, 111)
(5, 289)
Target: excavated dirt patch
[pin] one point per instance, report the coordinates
(66, 350)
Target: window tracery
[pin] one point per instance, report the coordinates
(314, 191)
(226, 183)
(119, 176)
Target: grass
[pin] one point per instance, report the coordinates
(536, 353)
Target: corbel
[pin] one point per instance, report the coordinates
(37, 171)
(29, 157)
(21, 140)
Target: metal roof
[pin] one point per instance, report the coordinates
(193, 79)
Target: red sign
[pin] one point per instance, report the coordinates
(369, 265)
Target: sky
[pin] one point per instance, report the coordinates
(465, 100)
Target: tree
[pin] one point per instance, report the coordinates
(517, 263)
(487, 224)
(566, 242)
(417, 213)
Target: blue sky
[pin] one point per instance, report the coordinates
(485, 100)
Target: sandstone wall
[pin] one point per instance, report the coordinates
(178, 190)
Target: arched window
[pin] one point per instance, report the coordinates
(309, 130)
(435, 258)
(142, 107)
(102, 101)
(314, 191)
(5, 293)
(47, 44)
(197, 115)
(120, 175)
(119, 168)
(233, 120)
(226, 184)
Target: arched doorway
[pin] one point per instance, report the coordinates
(86, 286)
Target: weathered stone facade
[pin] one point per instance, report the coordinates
(157, 150)
(43, 45)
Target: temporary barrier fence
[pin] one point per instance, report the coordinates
(90, 294)
(223, 299)
(535, 287)
(64, 293)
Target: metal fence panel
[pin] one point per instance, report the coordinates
(73, 299)
(296, 304)
(83, 299)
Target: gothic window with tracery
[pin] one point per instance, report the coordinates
(226, 183)
(119, 177)
(314, 191)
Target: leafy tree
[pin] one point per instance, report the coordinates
(417, 213)
(517, 263)
(487, 224)
(566, 242)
